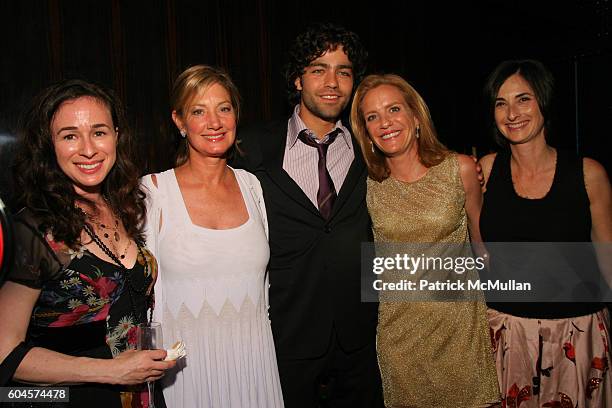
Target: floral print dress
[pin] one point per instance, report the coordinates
(87, 306)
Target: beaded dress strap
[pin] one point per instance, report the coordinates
(130, 284)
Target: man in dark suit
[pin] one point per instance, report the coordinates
(313, 178)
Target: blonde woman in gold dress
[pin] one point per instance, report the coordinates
(431, 354)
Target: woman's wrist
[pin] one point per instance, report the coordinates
(95, 370)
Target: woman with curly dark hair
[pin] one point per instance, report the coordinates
(82, 279)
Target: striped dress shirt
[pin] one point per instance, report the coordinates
(301, 161)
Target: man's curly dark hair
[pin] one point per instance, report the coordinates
(314, 42)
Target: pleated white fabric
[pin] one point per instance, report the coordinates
(211, 293)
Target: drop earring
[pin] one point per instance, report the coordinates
(372, 147)
(418, 131)
(183, 133)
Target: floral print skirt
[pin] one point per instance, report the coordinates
(552, 362)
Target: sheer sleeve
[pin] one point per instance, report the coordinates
(34, 262)
(10, 363)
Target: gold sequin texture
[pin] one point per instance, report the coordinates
(431, 354)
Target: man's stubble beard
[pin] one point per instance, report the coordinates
(332, 114)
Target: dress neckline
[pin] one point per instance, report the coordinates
(409, 183)
(423, 177)
(111, 263)
(550, 189)
(197, 227)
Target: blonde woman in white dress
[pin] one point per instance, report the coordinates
(207, 227)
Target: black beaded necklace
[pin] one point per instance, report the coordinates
(130, 285)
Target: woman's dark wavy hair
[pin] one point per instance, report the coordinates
(44, 188)
(539, 78)
(314, 42)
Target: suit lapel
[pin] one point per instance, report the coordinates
(353, 178)
(273, 152)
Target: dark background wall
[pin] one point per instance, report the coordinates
(445, 49)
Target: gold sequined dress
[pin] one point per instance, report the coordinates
(431, 354)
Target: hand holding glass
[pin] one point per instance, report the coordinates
(150, 338)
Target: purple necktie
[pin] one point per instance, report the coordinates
(327, 192)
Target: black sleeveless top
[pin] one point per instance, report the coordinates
(562, 215)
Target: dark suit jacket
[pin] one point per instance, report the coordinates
(314, 264)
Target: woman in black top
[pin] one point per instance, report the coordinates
(548, 354)
(81, 276)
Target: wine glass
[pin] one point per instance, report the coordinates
(150, 338)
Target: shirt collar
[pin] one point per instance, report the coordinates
(296, 125)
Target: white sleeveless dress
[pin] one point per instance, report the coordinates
(211, 292)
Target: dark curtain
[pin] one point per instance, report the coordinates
(445, 49)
